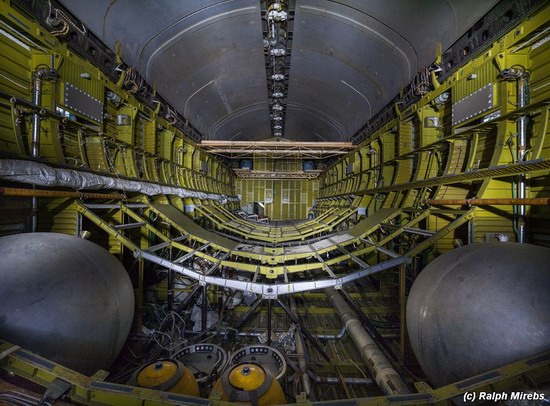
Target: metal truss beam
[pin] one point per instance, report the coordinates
(269, 290)
(277, 149)
(248, 174)
(265, 289)
(226, 220)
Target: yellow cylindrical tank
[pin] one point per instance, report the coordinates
(248, 383)
(166, 375)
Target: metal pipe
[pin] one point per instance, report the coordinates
(129, 226)
(219, 289)
(248, 315)
(334, 380)
(371, 330)
(534, 201)
(185, 302)
(300, 352)
(9, 191)
(36, 99)
(35, 147)
(338, 336)
(170, 289)
(247, 334)
(269, 325)
(418, 231)
(111, 206)
(304, 330)
(402, 307)
(34, 214)
(386, 377)
(204, 310)
(139, 309)
(521, 154)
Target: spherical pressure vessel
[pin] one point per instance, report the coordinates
(248, 383)
(64, 298)
(167, 375)
(480, 307)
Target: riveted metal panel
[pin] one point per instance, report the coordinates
(83, 103)
(474, 104)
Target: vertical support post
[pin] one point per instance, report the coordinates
(249, 314)
(403, 305)
(170, 286)
(220, 300)
(137, 346)
(139, 294)
(269, 326)
(301, 353)
(185, 302)
(78, 230)
(521, 153)
(170, 290)
(204, 309)
(471, 231)
(35, 147)
(36, 100)
(304, 331)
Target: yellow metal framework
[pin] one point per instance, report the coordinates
(131, 140)
(94, 390)
(370, 237)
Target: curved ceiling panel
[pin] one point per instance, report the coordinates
(349, 57)
(205, 57)
(425, 24)
(305, 123)
(344, 65)
(210, 64)
(230, 127)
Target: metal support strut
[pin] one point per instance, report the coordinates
(521, 153)
(304, 331)
(204, 309)
(269, 321)
(301, 353)
(35, 147)
(534, 201)
(36, 99)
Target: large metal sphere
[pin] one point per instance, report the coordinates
(64, 298)
(480, 307)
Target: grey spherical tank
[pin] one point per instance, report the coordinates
(480, 307)
(64, 298)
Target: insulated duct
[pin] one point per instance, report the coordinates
(386, 377)
(39, 174)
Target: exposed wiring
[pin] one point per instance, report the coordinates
(357, 367)
(61, 18)
(133, 80)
